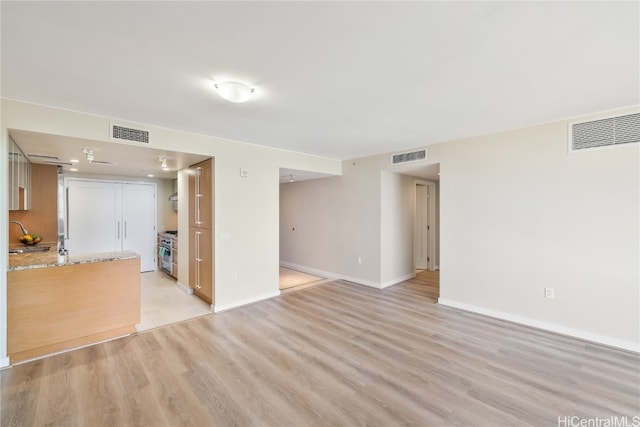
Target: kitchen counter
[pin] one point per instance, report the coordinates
(56, 303)
(52, 259)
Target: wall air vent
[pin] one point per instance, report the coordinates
(124, 133)
(409, 157)
(611, 131)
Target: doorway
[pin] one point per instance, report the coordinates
(296, 195)
(425, 226)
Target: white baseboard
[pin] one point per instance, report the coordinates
(187, 290)
(335, 276)
(224, 307)
(398, 280)
(550, 327)
(4, 362)
(309, 270)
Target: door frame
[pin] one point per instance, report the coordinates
(431, 214)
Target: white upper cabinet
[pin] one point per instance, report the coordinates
(19, 179)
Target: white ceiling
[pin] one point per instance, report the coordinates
(335, 79)
(121, 160)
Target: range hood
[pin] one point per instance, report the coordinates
(174, 196)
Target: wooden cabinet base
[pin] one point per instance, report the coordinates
(203, 296)
(70, 344)
(57, 308)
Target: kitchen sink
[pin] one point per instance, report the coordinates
(29, 249)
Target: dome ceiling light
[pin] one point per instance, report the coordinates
(234, 91)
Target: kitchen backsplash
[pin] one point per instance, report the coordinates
(42, 218)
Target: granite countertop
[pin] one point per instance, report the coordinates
(52, 259)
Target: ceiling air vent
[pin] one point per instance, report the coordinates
(45, 157)
(607, 132)
(124, 133)
(409, 157)
(103, 162)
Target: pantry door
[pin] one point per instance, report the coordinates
(93, 217)
(138, 223)
(106, 216)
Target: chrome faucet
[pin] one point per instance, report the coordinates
(24, 230)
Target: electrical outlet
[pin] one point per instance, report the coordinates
(549, 293)
(234, 276)
(359, 260)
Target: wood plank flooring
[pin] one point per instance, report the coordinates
(334, 354)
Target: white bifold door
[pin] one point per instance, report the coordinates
(106, 216)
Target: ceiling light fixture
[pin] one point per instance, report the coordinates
(163, 163)
(291, 177)
(234, 91)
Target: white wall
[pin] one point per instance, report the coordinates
(519, 213)
(365, 214)
(167, 215)
(336, 221)
(252, 248)
(397, 206)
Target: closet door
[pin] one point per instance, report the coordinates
(105, 216)
(138, 223)
(93, 217)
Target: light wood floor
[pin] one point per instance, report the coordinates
(292, 278)
(333, 354)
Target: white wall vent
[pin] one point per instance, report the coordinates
(409, 157)
(44, 157)
(606, 132)
(125, 133)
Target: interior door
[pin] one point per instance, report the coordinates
(138, 223)
(93, 217)
(421, 239)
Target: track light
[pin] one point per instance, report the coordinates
(163, 163)
(88, 154)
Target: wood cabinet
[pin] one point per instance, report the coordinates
(201, 263)
(55, 308)
(174, 258)
(201, 194)
(201, 253)
(19, 179)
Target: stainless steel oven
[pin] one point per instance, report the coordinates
(166, 255)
